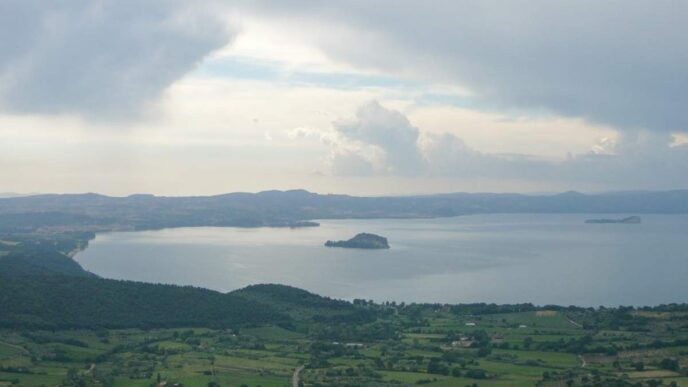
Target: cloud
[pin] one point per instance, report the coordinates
(612, 62)
(449, 155)
(348, 163)
(381, 141)
(388, 135)
(105, 58)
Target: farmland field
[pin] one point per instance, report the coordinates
(435, 345)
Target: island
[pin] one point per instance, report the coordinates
(303, 223)
(361, 241)
(629, 220)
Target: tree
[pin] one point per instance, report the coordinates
(476, 374)
(436, 367)
(669, 364)
(527, 342)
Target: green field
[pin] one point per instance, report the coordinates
(419, 345)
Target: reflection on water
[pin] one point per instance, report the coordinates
(487, 258)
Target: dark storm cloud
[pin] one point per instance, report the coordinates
(617, 62)
(99, 58)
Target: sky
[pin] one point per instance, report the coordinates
(381, 97)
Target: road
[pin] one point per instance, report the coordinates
(295, 377)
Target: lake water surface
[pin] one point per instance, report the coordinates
(544, 259)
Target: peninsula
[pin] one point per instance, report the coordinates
(361, 241)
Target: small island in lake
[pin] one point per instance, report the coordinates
(630, 219)
(361, 241)
(303, 223)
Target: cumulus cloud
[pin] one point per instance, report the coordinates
(616, 62)
(349, 163)
(449, 155)
(381, 141)
(103, 58)
(388, 137)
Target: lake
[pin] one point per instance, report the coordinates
(544, 259)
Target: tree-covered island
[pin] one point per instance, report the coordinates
(361, 241)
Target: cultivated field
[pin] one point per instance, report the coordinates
(424, 344)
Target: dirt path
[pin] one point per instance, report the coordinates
(583, 362)
(295, 377)
(575, 324)
(17, 347)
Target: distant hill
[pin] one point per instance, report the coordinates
(95, 212)
(14, 194)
